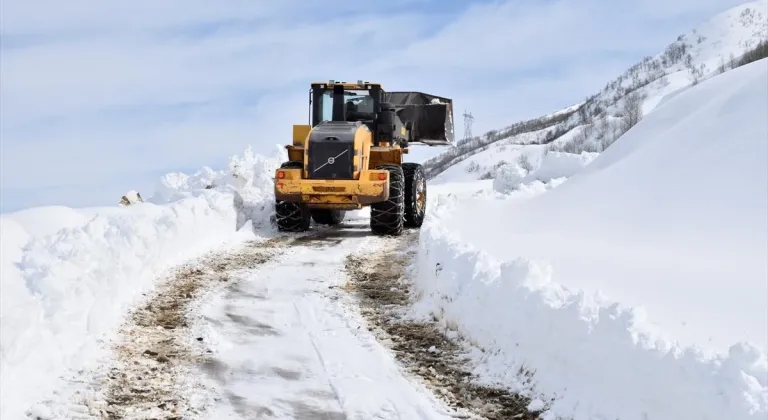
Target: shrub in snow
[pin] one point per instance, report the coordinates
(553, 166)
(473, 166)
(509, 178)
(495, 170)
(524, 162)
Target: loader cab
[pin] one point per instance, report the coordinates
(361, 101)
(340, 101)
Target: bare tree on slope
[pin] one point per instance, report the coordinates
(632, 111)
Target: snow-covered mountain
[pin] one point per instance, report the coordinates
(711, 48)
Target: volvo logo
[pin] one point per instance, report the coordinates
(331, 160)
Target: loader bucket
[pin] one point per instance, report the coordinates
(431, 116)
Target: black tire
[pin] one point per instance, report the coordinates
(290, 216)
(415, 194)
(328, 216)
(387, 217)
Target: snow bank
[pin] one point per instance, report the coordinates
(249, 179)
(636, 289)
(69, 278)
(583, 350)
(45, 220)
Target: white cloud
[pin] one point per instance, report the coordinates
(111, 89)
(89, 75)
(82, 16)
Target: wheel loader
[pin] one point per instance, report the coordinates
(350, 155)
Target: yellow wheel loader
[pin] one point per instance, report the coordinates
(350, 155)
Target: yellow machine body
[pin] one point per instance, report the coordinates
(367, 187)
(350, 155)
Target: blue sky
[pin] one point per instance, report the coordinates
(102, 97)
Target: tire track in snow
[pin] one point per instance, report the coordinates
(266, 331)
(421, 345)
(317, 361)
(155, 355)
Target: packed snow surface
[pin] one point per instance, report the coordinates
(637, 287)
(69, 275)
(289, 343)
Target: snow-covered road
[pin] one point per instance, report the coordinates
(276, 329)
(289, 343)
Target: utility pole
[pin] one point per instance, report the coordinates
(468, 118)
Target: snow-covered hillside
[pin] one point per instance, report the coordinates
(69, 275)
(635, 289)
(712, 48)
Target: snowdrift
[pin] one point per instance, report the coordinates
(635, 289)
(69, 275)
(552, 166)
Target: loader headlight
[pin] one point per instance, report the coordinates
(280, 174)
(382, 176)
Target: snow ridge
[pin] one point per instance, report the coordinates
(595, 358)
(65, 287)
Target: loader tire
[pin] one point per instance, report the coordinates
(328, 217)
(290, 216)
(415, 194)
(388, 217)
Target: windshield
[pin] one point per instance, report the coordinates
(355, 101)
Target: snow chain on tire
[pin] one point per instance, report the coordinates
(415, 188)
(290, 216)
(388, 217)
